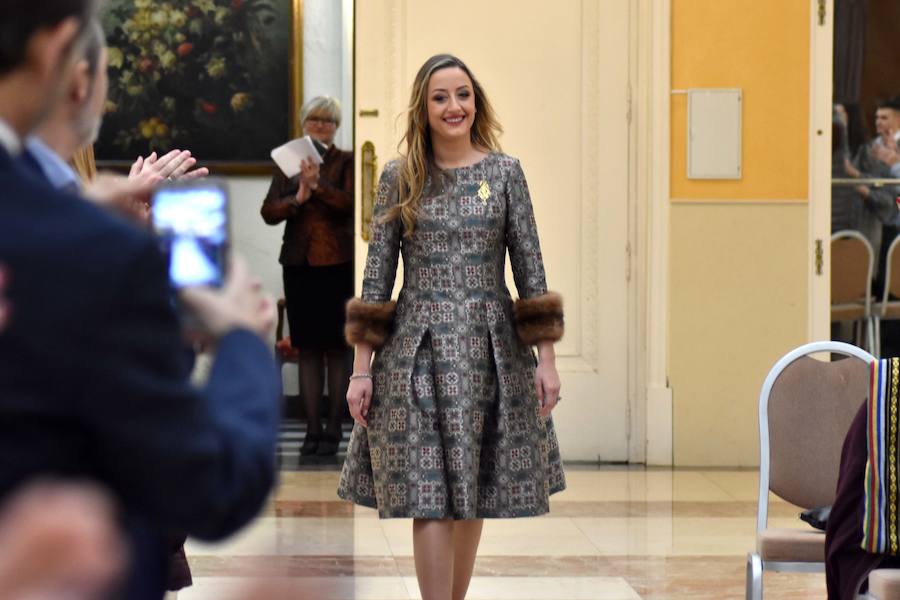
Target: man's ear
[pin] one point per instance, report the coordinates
(50, 48)
(79, 82)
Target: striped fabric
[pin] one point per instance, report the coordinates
(880, 526)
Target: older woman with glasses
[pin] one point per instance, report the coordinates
(316, 256)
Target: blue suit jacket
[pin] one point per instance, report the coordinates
(94, 379)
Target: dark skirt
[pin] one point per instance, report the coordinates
(847, 565)
(315, 298)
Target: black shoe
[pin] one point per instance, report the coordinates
(328, 444)
(310, 444)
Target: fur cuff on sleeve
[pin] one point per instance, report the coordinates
(539, 319)
(368, 323)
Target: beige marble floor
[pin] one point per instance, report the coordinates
(615, 533)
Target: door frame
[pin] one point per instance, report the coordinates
(650, 397)
(821, 87)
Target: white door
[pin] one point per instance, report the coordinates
(557, 75)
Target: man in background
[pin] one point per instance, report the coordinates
(879, 159)
(93, 381)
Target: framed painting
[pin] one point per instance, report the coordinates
(221, 78)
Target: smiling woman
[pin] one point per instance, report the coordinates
(453, 420)
(451, 104)
(449, 119)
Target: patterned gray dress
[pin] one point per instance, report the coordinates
(454, 430)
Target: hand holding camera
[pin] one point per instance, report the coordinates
(239, 304)
(218, 294)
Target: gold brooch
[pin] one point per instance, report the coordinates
(484, 192)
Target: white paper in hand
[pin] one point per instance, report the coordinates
(288, 156)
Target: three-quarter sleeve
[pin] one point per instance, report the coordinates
(369, 319)
(538, 312)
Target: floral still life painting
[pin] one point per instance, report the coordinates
(211, 76)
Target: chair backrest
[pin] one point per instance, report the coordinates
(805, 409)
(852, 264)
(892, 270)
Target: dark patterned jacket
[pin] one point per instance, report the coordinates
(320, 231)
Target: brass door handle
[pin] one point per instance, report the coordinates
(369, 164)
(820, 257)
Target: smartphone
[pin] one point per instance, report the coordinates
(191, 220)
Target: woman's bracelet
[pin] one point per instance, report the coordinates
(360, 376)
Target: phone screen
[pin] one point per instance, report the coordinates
(192, 223)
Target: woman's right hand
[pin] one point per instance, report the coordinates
(359, 398)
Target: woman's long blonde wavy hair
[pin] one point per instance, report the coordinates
(415, 164)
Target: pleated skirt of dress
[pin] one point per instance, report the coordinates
(454, 444)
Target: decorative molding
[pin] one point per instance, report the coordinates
(589, 259)
(733, 201)
(660, 433)
(395, 31)
(638, 140)
(655, 166)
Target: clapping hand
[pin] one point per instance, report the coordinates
(887, 153)
(889, 140)
(128, 196)
(177, 164)
(309, 181)
(309, 173)
(304, 193)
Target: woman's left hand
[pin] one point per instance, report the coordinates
(309, 173)
(546, 381)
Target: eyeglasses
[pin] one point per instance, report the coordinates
(321, 121)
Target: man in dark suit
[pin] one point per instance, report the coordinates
(4, 306)
(93, 379)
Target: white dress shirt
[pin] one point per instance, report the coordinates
(58, 172)
(9, 139)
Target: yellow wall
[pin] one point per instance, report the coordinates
(762, 47)
(738, 249)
